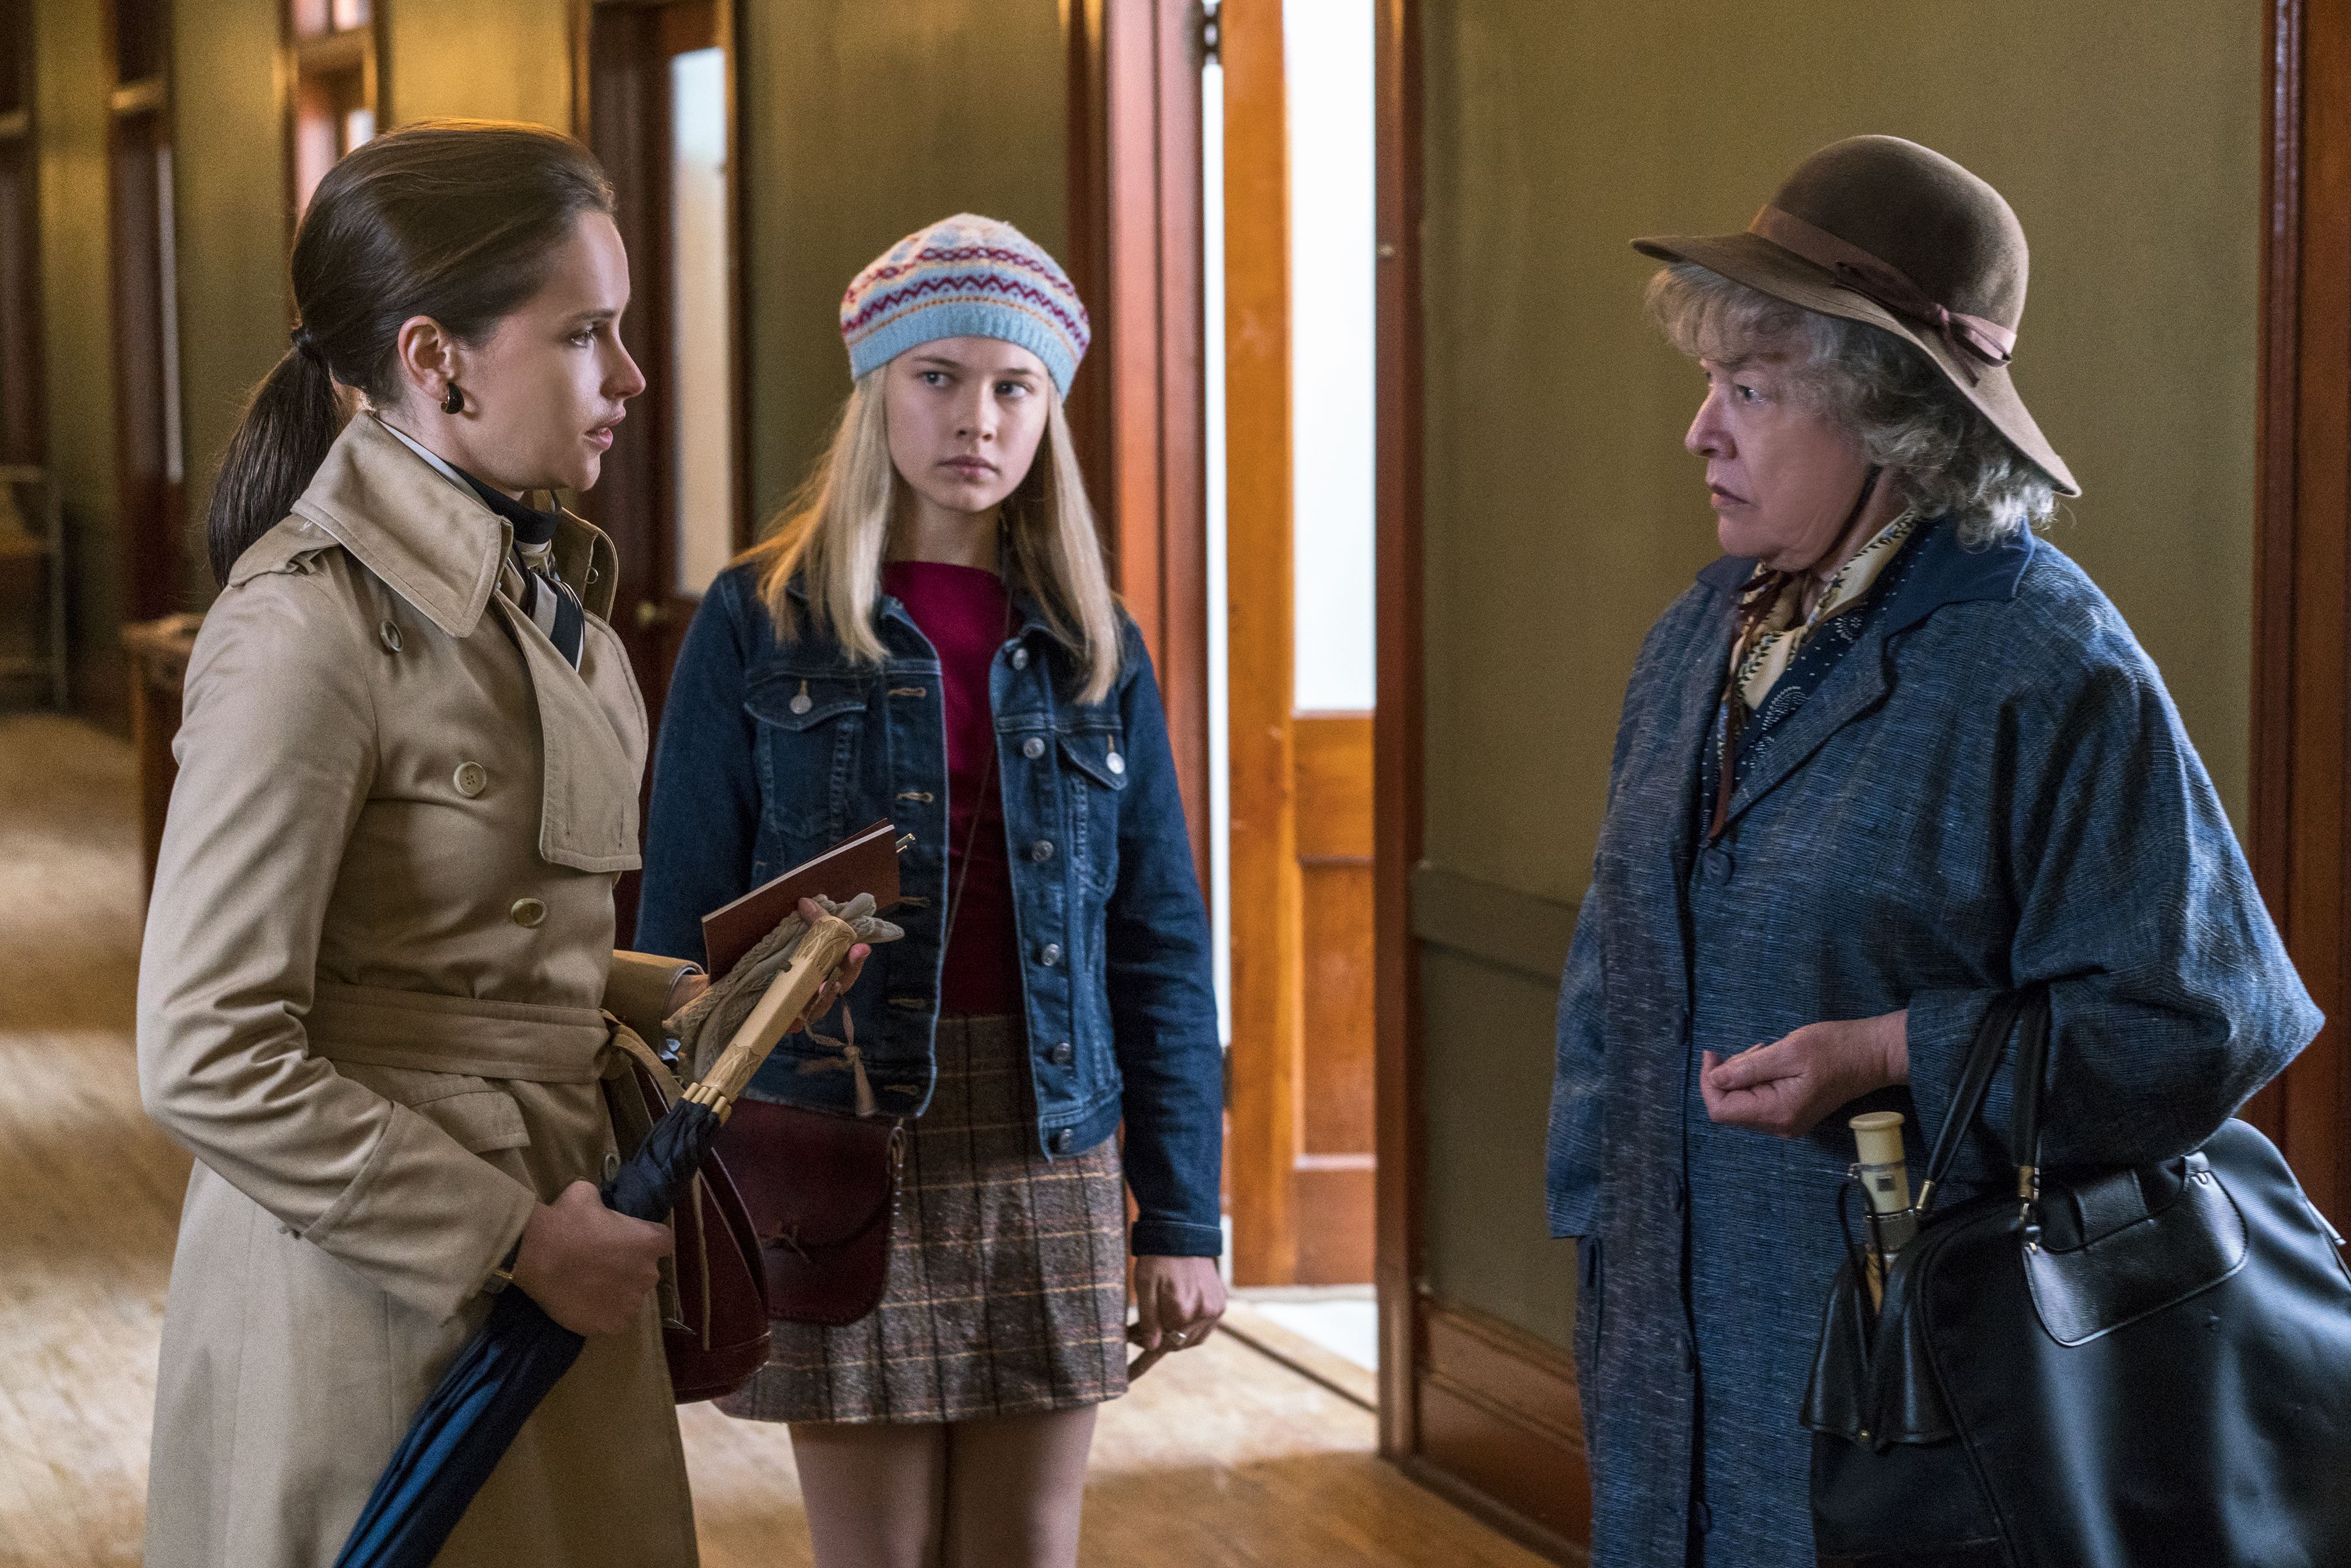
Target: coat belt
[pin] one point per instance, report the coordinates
(376, 1026)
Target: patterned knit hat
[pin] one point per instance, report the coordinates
(965, 276)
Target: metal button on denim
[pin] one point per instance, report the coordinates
(1117, 763)
(1020, 658)
(1041, 850)
(471, 778)
(1062, 1054)
(1050, 954)
(526, 912)
(1061, 1141)
(1032, 749)
(389, 635)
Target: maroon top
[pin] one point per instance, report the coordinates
(965, 613)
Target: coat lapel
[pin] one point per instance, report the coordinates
(446, 553)
(1944, 573)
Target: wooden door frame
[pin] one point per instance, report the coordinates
(1396, 813)
(1136, 411)
(150, 505)
(2300, 830)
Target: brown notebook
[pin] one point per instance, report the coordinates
(865, 861)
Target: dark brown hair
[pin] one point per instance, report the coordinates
(454, 219)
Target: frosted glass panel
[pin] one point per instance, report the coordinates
(1328, 47)
(701, 324)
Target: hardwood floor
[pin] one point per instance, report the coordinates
(1221, 1455)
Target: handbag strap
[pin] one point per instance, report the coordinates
(2031, 1008)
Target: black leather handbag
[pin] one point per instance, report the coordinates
(2125, 1367)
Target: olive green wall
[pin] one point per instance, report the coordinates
(71, 77)
(506, 61)
(229, 187)
(861, 122)
(1562, 513)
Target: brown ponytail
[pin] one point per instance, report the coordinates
(456, 220)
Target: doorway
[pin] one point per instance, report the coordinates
(1292, 249)
(659, 85)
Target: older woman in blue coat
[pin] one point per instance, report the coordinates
(1890, 758)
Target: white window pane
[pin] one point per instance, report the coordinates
(700, 321)
(1328, 49)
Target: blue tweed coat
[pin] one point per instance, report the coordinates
(1990, 787)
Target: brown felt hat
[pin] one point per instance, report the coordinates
(1881, 230)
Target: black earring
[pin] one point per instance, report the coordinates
(452, 401)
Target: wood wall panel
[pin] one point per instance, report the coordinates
(1498, 1416)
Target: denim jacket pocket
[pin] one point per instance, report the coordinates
(809, 728)
(1095, 778)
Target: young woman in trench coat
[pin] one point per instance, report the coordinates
(380, 943)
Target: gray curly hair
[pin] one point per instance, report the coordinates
(1948, 459)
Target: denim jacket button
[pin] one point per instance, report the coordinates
(1117, 763)
(1020, 658)
(1050, 954)
(1041, 850)
(1061, 1141)
(1061, 1055)
(1032, 749)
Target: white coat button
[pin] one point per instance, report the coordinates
(1117, 763)
(526, 912)
(471, 778)
(389, 635)
(1032, 749)
(1050, 954)
(1020, 658)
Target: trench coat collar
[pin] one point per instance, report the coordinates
(432, 540)
(1942, 572)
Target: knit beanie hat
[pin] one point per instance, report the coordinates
(965, 276)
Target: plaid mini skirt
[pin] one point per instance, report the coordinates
(1007, 1271)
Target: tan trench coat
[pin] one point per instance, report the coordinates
(368, 1003)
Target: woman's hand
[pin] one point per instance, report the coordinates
(1786, 1087)
(590, 1266)
(1178, 1301)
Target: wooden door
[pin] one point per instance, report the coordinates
(661, 497)
(1301, 1057)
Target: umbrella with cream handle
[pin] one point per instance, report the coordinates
(479, 1406)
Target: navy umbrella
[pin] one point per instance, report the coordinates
(479, 1406)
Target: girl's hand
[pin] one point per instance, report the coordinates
(832, 990)
(590, 1267)
(1785, 1088)
(1178, 1301)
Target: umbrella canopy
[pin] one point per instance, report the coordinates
(481, 1403)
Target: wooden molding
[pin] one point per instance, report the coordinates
(1136, 412)
(1521, 932)
(1498, 1418)
(2301, 821)
(147, 96)
(1268, 970)
(1397, 735)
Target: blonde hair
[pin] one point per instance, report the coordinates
(831, 538)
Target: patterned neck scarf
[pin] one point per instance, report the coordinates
(1768, 633)
(1768, 638)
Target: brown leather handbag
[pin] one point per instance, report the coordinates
(822, 1193)
(712, 1294)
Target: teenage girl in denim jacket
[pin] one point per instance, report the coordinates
(930, 636)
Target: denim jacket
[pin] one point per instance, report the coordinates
(772, 751)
